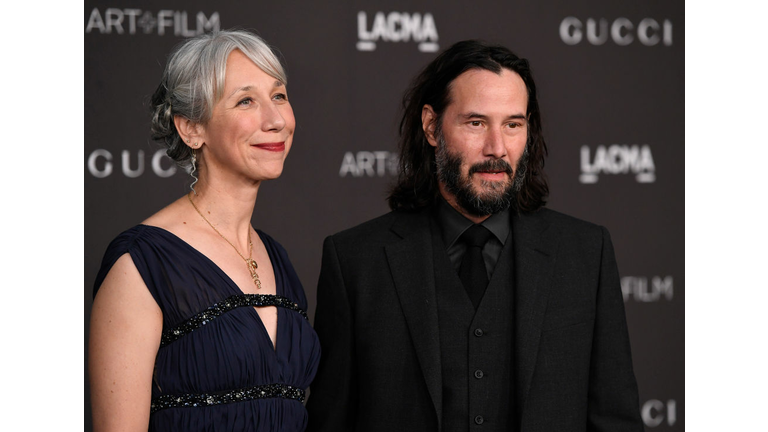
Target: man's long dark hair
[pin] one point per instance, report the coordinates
(417, 184)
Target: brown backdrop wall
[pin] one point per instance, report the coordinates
(611, 81)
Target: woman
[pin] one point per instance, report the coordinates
(198, 320)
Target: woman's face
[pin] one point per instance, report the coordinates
(251, 128)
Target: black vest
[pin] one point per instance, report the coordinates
(475, 346)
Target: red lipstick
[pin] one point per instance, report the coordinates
(274, 147)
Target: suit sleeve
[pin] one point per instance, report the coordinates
(613, 397)
(331, 405)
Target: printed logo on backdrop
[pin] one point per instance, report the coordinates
(617, 159)
(369, 164)
(101, 164)
(655, 412)
(621, 31)
(643, 289)
(131, 21)
(397, 27)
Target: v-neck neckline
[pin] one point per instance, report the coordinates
(231, 282)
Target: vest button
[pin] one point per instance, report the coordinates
(479, 420)
(478, 332)
(478, 374)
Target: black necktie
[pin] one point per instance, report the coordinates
(472, 270)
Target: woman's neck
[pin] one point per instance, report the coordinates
(229, 208)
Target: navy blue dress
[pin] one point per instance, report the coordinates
(216, 368)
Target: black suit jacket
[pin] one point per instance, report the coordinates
(377, 322)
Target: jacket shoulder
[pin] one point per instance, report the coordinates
(569, 229)
(565, 221)
(381, 230)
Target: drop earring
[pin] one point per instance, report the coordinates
(193, 171)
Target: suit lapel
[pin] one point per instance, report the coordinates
(535, 251)
(410, 260)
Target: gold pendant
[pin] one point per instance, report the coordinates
(252, 266)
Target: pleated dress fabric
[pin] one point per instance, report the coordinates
(231, 351)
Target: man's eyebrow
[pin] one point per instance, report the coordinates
(473, 114)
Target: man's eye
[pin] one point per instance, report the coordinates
(474, 123)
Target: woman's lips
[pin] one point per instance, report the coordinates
(274, 147)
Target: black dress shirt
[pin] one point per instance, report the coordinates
(453, 224)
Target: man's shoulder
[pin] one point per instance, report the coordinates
(559, 219)
(565, 225)
(379, 229)
(388, 227)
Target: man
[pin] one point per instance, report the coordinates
(470, 306)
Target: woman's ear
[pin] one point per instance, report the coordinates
(189, 131)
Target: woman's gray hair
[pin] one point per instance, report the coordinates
(193, 81)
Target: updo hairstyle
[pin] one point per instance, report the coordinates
(193, 81)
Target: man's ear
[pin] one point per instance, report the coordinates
(429, 124)
(189, 131)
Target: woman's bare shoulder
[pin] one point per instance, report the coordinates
(172, 217)
(124, 283)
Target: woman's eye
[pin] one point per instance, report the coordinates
(280, 96)
(245, 102)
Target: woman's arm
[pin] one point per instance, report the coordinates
(126, 324)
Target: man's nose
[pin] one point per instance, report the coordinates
(494, 144)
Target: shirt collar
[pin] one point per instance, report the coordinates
(453, 224)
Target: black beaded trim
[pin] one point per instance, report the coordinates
(209, 399)
(225, 306)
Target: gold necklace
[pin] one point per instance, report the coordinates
(250, 262)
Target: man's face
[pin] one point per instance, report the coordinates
(481, 143)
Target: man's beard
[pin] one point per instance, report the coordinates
(494, 197)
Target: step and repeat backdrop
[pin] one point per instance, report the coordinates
(611, 82)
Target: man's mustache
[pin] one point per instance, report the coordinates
(497, 165)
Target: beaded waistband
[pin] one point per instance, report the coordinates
(209, 399)
(226, 305)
